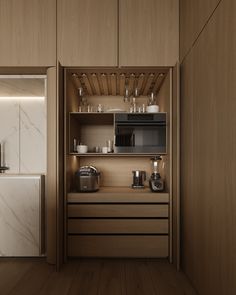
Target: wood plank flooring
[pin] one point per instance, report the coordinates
(27, 276)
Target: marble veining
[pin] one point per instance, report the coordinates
(33, 137)
(23, 123)
(20, 216)
(9, 133)
(23, 130)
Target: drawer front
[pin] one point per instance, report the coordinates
(118, 246)
(118, 226)
(118, 195)
(101, 210)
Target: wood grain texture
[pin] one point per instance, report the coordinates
(176, 165)
(118, 246)
(36, 275)
(112, 278)
(140, 281)
(61, 172)
(166, 279)
(60, 282)
(208, 155)
(28, 33)
(101, 210)
(119, 195)
(51, 179)
(87, 277)
(87, 32)
(12, 271)
(148, 226)
(193, 17)
(164, 99)
(92, 277)
(148, 32)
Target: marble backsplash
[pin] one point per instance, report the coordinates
(23, 129)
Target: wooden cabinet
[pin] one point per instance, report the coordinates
(148, 32)
(120, 222)
(89, 35)
(87, 32)
(194, 16)
(27, 32)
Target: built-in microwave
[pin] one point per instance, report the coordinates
(140, 133)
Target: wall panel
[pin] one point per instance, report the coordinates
(193, 16)
(208, 155)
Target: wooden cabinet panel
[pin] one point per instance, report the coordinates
(118, 246)
(148, 32)
(101, 226)
(87, 32)
(193, 17)
(119, 195)
(208, 128)
(100, 210)
(27, 32)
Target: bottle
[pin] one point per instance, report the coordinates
(152, 100)
(134, 105)
(84, 104)
(74, 145)
(152, 106)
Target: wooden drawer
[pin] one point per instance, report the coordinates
(127, 210)
(121, 226)
(118, 246)
(118, 195)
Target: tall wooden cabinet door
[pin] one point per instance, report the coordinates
(176, 165)
(87, 32)
(28, 33)
(148, 32)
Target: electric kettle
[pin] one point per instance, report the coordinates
(139, 177)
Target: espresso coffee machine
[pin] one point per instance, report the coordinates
(138, 178)
(156, 184)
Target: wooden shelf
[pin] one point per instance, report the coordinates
(93, 118)
(114, 81)
(115, 154)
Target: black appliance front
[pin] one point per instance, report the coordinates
(140, 133)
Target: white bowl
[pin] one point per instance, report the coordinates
(152, 109)
(82, 148)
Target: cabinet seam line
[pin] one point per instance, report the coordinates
(200, 33)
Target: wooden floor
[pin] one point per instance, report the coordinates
(92, 276)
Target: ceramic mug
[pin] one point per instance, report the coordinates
(82, 148)
(104, 149)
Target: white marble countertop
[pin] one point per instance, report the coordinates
(5, 175)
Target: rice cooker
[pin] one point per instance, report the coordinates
(87, 179)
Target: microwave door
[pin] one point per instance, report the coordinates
(140, 138)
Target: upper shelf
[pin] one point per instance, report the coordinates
(93, 118)
(115, 81)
